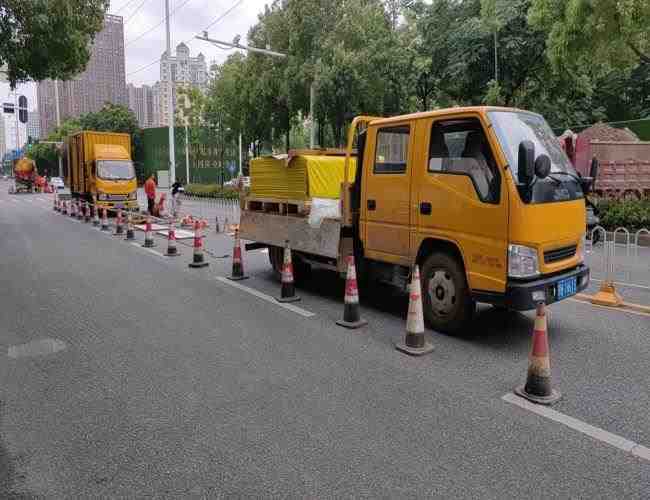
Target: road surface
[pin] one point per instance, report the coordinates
(127, 374)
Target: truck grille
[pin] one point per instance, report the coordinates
(559, 254)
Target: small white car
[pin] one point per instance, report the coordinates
(57, 183)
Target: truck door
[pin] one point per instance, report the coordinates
(461, 197)
(386, 193)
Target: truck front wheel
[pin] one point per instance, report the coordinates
(446, 300)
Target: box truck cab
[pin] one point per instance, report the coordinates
(100, 169)
(483, 199)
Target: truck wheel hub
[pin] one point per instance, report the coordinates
(442, 293)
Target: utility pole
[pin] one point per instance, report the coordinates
(58, 123)
(172, 153)
(240, 165)
(187, 155)
(496, 57)
(312, 113)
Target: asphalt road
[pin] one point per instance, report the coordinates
(126, 374)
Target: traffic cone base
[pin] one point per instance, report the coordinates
(607, 296)
(352, 324)
(538, 380)
(149, 243)
(542, 400)
(197, 265)
(172, 252)
(425, 348)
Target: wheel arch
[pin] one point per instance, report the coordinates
(431, 245)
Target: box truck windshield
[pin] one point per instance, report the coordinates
(512, 128)
(115, 169)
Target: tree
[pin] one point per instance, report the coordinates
(42, 39)
(596, 32)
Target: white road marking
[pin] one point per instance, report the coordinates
(578, 425)
(139, 245)
(268, 298)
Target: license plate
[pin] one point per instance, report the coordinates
(119, 205)
(566, 288)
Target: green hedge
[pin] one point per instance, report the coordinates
(211, 191)
(630, 214)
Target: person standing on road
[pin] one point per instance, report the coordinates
(150, 190)
(177, 190)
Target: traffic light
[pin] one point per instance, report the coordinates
(22, 109)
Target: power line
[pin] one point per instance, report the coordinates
(157, 25)
(135, 11)
(189, 40)
(124, 6)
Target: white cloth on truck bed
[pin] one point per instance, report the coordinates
(323, 208)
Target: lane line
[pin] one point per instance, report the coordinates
(150, 250)
(298, 310)
(578, 425)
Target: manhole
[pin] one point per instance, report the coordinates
(41, 347)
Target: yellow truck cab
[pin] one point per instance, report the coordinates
(483, 199)
(100, 168)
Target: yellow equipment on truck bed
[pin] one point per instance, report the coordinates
(297, 177)
(100, 168)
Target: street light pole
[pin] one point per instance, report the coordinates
(58, 122)
(170, 97)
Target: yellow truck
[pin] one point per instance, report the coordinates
(100, 168)
(483, 199)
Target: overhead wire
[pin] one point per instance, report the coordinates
(124, 6)
(218, 19)
(131, 16)
(174, 10)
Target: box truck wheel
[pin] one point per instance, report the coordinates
(448, 305)
(276, 258)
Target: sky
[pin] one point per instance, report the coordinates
(144, 34)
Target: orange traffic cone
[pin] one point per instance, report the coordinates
(86, 212)
(104, 220)
(415, 342)
(64, 207)
(80, 212)
(148, 236)
(73, 206)
(538, 382)
(56, 203)
(237, 273)
(119, 224)
(351, 313)
(197, 257)
(288, 290)
(172, 251)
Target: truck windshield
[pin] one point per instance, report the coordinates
(115, 170)
(511, 128)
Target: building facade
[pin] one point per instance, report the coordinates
(141, 102)
(178, 71)
(102, 81)
(33, 125)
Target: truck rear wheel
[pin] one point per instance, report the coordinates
(446, 300)
(276, 258)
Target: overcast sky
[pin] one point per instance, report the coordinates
(144, 33)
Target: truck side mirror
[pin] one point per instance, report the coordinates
(542, 166)
(526, 170)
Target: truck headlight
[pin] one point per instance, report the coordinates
(522, 262)
(133, 196)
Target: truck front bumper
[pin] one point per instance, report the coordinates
(115, 205)
(525, 295)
